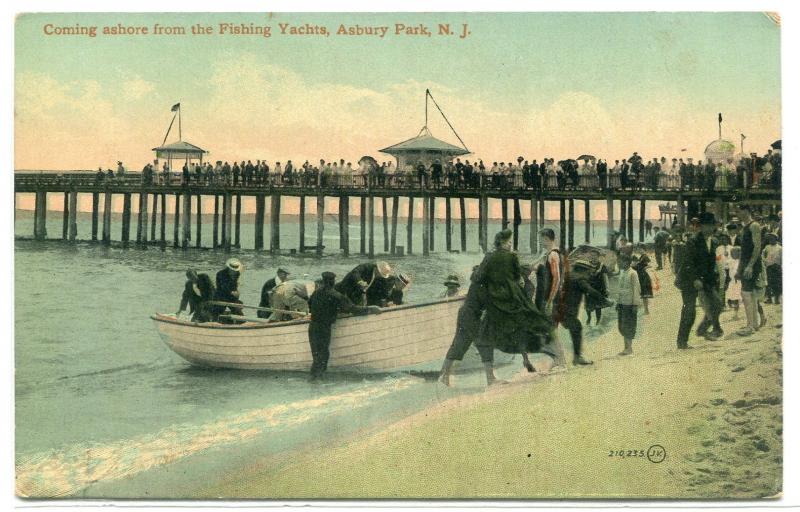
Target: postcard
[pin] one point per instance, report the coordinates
(403, 255)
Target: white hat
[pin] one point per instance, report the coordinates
(384, 269)
(234, 264)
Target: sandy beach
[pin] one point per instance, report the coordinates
(701, 423)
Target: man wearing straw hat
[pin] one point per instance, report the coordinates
(358, 281)
(228, 288)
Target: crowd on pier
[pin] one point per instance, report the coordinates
(589, 173)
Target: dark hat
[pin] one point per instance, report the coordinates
(452, 279)
(328, 277)
(502, 236)
(732, 226)
(283, 271)
(707, 218)
(772, 236)
(403, 278)
(549, 233)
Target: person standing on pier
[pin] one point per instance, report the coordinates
(325, 305)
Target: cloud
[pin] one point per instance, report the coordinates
(137, 88)
(243, 108)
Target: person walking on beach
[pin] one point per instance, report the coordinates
(468, 324)
(749, 270)
(628, 302)
(512, 323)
(697, 276)
(772, 262)
(660, 239)
(325, 305)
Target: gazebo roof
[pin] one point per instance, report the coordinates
(425, 142)
(179, 148)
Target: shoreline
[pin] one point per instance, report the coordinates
(575, 433)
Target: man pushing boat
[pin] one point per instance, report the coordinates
(325, 305)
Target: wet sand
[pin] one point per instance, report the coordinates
(662, 423)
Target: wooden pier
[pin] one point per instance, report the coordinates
(226, 231)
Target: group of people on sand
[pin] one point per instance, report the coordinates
(721, 266)
(516, 308)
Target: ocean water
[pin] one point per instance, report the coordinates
(102, 405)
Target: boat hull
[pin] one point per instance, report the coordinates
(403, 337)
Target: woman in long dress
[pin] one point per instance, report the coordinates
(552, 176)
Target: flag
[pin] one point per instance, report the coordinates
(685, 149)
(743, 136)
(175, 107)
(720, 115)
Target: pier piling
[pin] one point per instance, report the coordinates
(40, 216)
(534, 225)
(275, 224)
(363, 209)
(187, 220)
(463, 221)
(395, 207)
(432, 223)
(562, 224)
(385, 208)
(65, 218)
(154, 218)
(410, 225)
(215, 223)
(371, 220)
(517, 221)
(259, 223)
(571, 225)
(95, 214)
(176, 226)
(448, 220)
(141, 220)
(642, 214)
(622, 221)
(630, 220)
(345, 224)
(302, 225)
(163, 221)
(426, 236)
(198, 242)
(610, 220)
(320, 222)
(587, 220)
(126, 218)
(237, 222)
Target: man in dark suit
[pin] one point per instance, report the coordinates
(266, 291)
(697, 276)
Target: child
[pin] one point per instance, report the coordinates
(629, 297)
(645, 283)
(734, 291)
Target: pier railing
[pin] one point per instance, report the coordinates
(613, 182)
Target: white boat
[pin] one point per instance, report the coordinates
(401, 337)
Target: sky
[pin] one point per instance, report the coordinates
(529, 84)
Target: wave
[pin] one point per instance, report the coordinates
(66, 471)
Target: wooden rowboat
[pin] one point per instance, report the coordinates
(411, 336)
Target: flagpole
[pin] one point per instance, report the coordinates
(180, 134)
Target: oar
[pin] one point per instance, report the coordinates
(249, 319)
(257, 308)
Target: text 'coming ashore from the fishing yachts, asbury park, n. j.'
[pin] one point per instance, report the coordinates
(398, 29)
